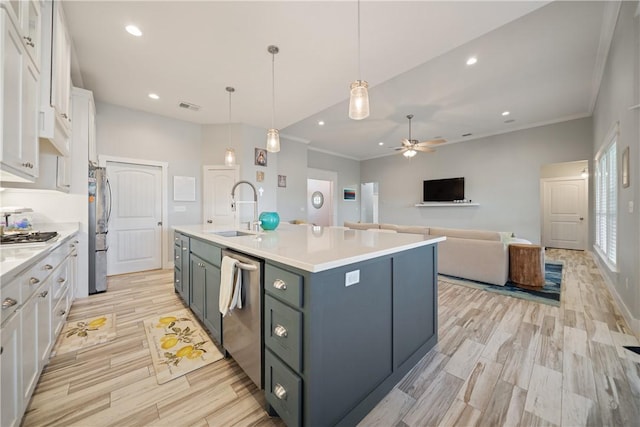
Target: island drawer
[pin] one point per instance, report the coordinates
(282, 390)
(283, 332)
(208, 252)
(284, 285)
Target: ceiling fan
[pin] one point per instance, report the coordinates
(410, 147)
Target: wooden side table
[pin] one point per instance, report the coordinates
(526, 265)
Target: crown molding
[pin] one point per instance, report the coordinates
(333, 153)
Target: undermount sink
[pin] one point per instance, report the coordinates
(232, 233)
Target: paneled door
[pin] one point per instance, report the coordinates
(135, 227)
(564, 216)
(216, 200)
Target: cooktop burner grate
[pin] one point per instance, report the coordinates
(32, 237)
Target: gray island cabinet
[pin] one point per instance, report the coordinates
(346, 314)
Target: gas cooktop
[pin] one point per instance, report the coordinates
(29, 237)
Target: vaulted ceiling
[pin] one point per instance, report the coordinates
(540, 61)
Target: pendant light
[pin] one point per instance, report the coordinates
(359, 97)
(273, 135)
(230, 153)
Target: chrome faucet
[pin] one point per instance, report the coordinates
(256, 222)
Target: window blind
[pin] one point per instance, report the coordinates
(607, 201)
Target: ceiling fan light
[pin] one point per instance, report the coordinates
(273, 140)
(410, 153)
(359, 100)
(230, 157)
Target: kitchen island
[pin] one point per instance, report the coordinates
(345, 313)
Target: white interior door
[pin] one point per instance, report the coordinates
(319, 202)
(565, 222)
(216, 200)
(135, 226)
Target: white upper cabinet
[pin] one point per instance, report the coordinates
(55, 94)
(32, 29)
(19, 83)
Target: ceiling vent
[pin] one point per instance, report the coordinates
(189, 106)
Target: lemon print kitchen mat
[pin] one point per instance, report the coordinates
(77, 335)
(178, 345)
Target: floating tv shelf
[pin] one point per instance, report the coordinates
(443, 204)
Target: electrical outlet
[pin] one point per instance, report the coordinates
(351, 278)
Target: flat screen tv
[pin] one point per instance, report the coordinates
(443, 190)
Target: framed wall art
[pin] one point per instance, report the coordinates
(261, 157)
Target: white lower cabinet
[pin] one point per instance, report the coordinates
(11, 373)
(31, 325)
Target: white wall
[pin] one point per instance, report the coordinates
(348, 176)
(565, 169)
(619, 91)
(502, 174)
(292, 163)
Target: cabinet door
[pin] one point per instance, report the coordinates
(10, 373)
(45, 340)
(198, 280)
(63, 173)
(212, 316)
(12, 57)
(30, 88)
(32, 28)
(29, 338)
(93, 153)
(61, 66)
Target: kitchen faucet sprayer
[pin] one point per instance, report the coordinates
(256, 222)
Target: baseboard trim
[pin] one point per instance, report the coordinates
(633, 323)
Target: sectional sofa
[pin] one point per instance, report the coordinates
(471, 254)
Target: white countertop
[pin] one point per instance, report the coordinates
(313, 248)
(15, 258)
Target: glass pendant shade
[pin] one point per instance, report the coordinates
(230, 157)
(273, 140)
(359, 100)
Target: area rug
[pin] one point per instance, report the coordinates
(86, 333)
(548, 294)
(178, 345)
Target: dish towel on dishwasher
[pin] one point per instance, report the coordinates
(230, 286)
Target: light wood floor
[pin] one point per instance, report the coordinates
(500, 361)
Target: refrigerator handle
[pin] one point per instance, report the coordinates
(109, 209)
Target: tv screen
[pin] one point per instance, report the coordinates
(443, 190)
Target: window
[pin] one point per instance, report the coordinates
(606, 181)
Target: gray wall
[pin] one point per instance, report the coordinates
(619, 91)
(348, 176)
(292, 162)
(138, 135)
(502, 174)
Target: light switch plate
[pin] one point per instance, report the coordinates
(351, 278)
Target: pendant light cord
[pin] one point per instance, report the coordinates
(273, 90)
(229, 124)
(359, 67)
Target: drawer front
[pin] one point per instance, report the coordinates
(282, 389)
(284, 285)
(283, 331)
(59, 314)
(208, 252)
(60, 281)
(177, 256)
(36, 275)
(11, 299)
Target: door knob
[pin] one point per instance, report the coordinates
(209, 221)
(581, 218)
(159, 223)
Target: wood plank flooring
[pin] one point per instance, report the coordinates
(499, 361)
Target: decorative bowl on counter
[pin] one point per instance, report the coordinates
(269, 220)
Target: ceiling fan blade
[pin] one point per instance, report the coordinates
(406, 142)
(400, 148)
(432, 142)
(423, 149)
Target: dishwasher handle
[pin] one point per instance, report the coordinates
(248, 267)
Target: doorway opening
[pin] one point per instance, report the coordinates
(369, 202)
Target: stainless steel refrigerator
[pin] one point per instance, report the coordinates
(99, 213)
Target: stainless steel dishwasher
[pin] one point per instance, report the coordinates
(242, 328)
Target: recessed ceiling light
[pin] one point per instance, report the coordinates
(133, 30)
(505, 113)
(153, 96)
(472, 60)
(381, 143)
(320, 122)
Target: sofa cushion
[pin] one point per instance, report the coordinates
(388, 227)
(361, 225)
(466, 234)
(412, 229)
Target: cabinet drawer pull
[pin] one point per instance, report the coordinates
(48, 267)
(184, 249)
(280, 392)
(30, 44)
(177, 280)
(44, 294)
(27, 38)
(61, 280)
(8, 302)
(280, 284)
(62, 313)
(280, 331)
(176, 238)
(177, 256)
(34, 281)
